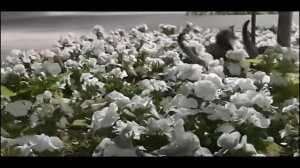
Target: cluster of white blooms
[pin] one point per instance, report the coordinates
(127, 91)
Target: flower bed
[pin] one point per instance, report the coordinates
(134, 94)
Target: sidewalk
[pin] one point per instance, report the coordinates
(41, 32)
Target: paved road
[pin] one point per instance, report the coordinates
(40, 30)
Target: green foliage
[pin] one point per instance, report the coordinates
(79, 123)
(6, 92)
(153, 142)
(116, 84)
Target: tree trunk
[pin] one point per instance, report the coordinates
(284, 29)
(253, 26)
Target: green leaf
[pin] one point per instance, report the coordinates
(272, 147)
(6, 92)
(294, 78)
(79, 123)
(254, 61)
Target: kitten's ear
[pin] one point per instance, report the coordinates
(231, 27)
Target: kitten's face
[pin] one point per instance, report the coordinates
(230, 33)
(232, 37)
(227, 36)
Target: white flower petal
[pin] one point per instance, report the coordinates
(19, 108)
(225, 128)
(229, 141)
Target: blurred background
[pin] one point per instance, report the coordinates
(40, 30)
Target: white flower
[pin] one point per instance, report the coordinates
(71, 63)
(240, 115)
(89, 80)
(205, 89)
(218, 112)
(19, 68)
(129, 59)
(181, 101)
(197, 46)
(18, 108)
(107, 147)
(109, 49)
(225, 128)
(117, 72)
(5, 71)
(119, 98)
(139, 103)
(173, 55)
(85, 77)
(292, 105)
(217, 70)
(288, 131)
(154, 62)
(65, 53)
(214, 78)
(237, 55)
(36, 66)
(262, 100)
(154, 84)
(67, 39)
(106, 117)
(25, 58)
(229, 140)
(25, 150)
(45, 110)
(129, 128)
(246, 147)
(47, 53)
(202, 151)
(66, 109)
(181, 105)
(246, 84)
(62, 122)
(243, 99)
(234, 68)
(163, 125)
(257, 119)
(52, 68)
(182, 143)
(14, 56)
(86, 46)
(47, 95)
(189, 71)
(98, 47)
(186, 89)
(260, 77)
(231, 83)
(121, 47)
(92, 62)
(16, 52)
(206, 57)
(214, 63)
(41, 142)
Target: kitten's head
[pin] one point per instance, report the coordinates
(226, 37)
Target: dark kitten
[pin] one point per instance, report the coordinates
(224, 42)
